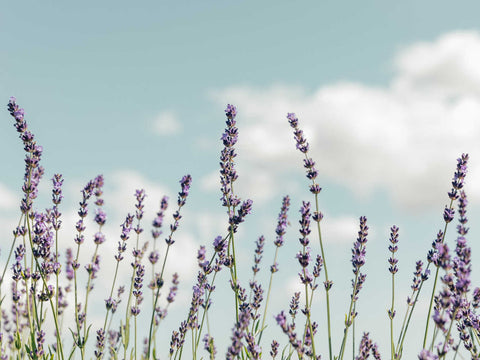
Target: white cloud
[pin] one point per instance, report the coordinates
(343, 229)
(403, 138)
(167, 123)
(8, 199)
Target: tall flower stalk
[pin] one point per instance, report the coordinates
(280, 231)
(236, 210)
(358, 260)
(308, 163)
(185, 184)
(448, 214)
(393, 269)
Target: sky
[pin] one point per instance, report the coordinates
(388, 94)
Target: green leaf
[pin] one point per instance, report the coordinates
(18, 341)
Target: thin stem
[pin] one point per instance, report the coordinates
(268, 297)
(435, 284)
(155, 303)
(391, 315)
(327, 281)
(205, 311)
(403, 334)
(348, 320)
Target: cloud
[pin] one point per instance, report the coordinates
(343, 229)
(403, 138)
(167, 123)
(8, 198)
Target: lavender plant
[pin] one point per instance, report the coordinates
(39, 284)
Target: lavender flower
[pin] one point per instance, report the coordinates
(458, 177)
(173, 289)
(210, 345)
(239, 332)
(185, 184)
(137, 285)
(56, 199)
(228, 174)
(100, 343)
(33, 171)
(100, 217)
(427, 355)
(140, 196)
(308, 163)
(235, 220)
(393, 249)
(282, 222)
(274, 351)
(359, 251)
(289, 330)
(305, 223)
(258, 254)
(294, 305)
(158, 221)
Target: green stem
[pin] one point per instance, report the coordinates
(205, 311)
(155, 303)
(391, 315)
(348, 319)
(327, 281)
(268, 297)
(403, 334)
(435, 284)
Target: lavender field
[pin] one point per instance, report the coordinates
(40, 285)
(241, 179)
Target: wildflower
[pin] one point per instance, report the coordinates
(318, 266)
(100, 217)
(209, 345)
(258, 254)
(274, 352)
(393, 249)
(257, 298)
(228, 174)
(294, 305)
(185, 183)
(100, 343)
(282, 222)
(158, 221)
(239, 332)
(305, 223)
(427, 355)
(458, 177)
(173, 289)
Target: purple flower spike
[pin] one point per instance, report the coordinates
(57, 189)
(448, 214)
(258, 254)
(274, 352)
(228, 174)
(459, 176)
(359, 251)
(393, 249)
(305, 223)
(427, 355)
(185, 184)
(302, 143)
(158, 221)
(282, 222)
(231, 112)
(367, 346)
(100, 217)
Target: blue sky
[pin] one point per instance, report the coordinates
(388, 94)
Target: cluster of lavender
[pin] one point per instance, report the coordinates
(37, 285)
(39, 289)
